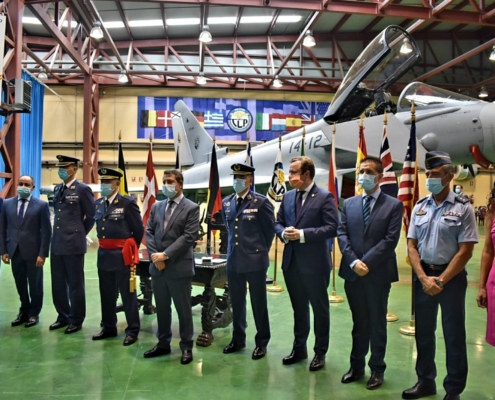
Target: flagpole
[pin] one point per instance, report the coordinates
(410, 330)
(208, 217)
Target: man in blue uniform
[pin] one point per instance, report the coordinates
(120, 231)
(249, 219)
(73, 203)
(440, 242)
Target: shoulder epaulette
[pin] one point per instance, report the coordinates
(461, 199)
(423, 199)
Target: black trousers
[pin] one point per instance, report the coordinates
(109, 282)
(29, 283)
(68, 289)
(179, 290)
(452, 300)
(305, 289)
(257, 292)
(368, 302)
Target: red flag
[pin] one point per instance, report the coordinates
(150, 190)
(214, 200)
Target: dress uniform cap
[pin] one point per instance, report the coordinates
(242, 169)
(435, 159)
(64, 161)
(109, 173)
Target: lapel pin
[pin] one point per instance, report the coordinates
(313, 195)
(72, 187)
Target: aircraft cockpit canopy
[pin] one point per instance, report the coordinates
(426, 96)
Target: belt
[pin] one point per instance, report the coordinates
(437, 267)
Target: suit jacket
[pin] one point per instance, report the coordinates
(121, 220)
(177, 241)
(74, 218)
(32, 236)
(318, 219)
(250, 230)
(374, 245)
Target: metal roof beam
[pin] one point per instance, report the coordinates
(124, 19)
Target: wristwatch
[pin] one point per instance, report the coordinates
(439, 284)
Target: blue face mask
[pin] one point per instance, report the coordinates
(366, 181)
(23, 192)
(106, 189)
(63, 174)
(239, 185)
(434, 185)
(457, 191)
(169, 191)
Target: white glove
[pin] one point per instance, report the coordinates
(89, 242)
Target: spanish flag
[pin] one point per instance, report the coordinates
(123, 190)
(362, 153)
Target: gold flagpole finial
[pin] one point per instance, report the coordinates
(304, 131)
(248, 137)
(334, 128)
(120, 135)
(385, 119)
(413, 111)
(151, 137)
(178, 137)
(361, 121)
(214, 138)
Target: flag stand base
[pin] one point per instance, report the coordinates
(392, 317)
(408, 330)
(333, 298)
(275, 288)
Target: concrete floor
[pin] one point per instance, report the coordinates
(38, 364)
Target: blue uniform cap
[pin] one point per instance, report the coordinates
(109, 173)
(64, 161)
(242, 169)
(435, 159)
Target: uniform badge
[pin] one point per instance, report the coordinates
(249, 197)
(227, 204)
(313, 195)
(116, 202)
(421, 213)
(72, 187)
(255, 201)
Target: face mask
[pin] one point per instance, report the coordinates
(434, 185)
(239, 185)
(169, 191)
(457, 191)
(295, 181)
(106, 189)
(23, 192)
(63, 174)
(366, 181)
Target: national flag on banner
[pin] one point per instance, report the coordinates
(200, 116)
(307, 119)
(293, 122)
(249, 160)
(213, 120)
(263, 122)
(333, 186)
(150, 190)
(277, 187)
(277, 122)
(156, 119)
(408, 188)
(388, 184)
(123, 189)
(214, 199)
(362, 153)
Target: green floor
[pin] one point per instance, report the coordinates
(38, 364)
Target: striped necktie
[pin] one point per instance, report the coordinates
(366, 209)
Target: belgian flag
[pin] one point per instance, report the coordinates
(123, 190)
(214, 194)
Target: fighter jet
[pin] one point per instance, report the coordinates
(448, 121)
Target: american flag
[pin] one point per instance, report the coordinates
(362, 153)
(408, 188)
(388, 184)
(150, 190)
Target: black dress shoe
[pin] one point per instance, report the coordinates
(104, 335)
(21, 318)
(32, 321)
(352, 376)
(233, 347)
(129, 340)
(375, 381)
(259, 352)
(58, 325)
(317, 363)
(294, 357)
(156, 351)
(451, 397)
(187, 357)
(418, 391)
(72, 328)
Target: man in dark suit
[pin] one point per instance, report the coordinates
(120, 231)
(74, 209)
(171, 233)
(25, 232)
(368, 234)
(249, 219)
(307, 218)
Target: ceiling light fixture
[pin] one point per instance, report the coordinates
(483, 93)
(201, 80)
(205, 35)
(406, 47)
(96, 32)
(42, 75)
(123, 77)
(309, 40)
(277, 82)
(492, 54)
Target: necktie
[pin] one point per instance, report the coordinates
(168, 213)
(63, 189)
(20, 216)
(366, 209)
(239, 202)
(299, 202)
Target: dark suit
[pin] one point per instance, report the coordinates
(174, 282)
(375, 246)
(120, 220)
(74, 218)
(307, 265)
(251, 234)
(24, 243)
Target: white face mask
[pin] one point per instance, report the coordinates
(169, 191)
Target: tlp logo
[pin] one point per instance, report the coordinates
(239, 119)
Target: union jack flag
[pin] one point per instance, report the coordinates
(388, 184)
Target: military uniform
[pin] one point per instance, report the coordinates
(250, 235)
(73, 220)
(438, 231)
(116, 222)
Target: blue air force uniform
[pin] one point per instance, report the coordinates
(118, 220)
(74, 217)
(251, 233)
(439, 230)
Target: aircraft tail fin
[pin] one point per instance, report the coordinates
(185, 149)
